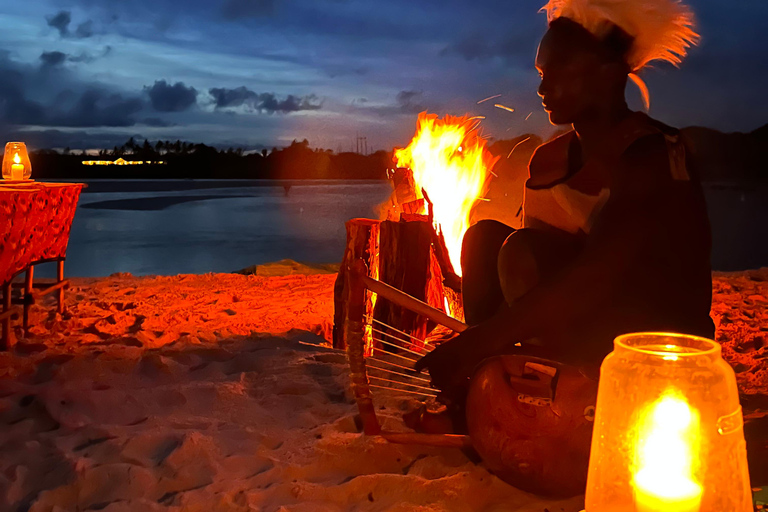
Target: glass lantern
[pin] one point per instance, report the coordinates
(668, 433)
(16, 166)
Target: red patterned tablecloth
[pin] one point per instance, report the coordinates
(35, 220)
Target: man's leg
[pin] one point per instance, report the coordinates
(480, 287)
(530, 256)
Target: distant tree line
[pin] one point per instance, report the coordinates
(184, 160)
(716, 157)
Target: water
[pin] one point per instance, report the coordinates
(224, 230)
(175, 226)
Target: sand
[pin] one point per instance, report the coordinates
(219, 392)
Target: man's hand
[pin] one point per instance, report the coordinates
(451, 364)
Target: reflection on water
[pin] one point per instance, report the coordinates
(214, 227)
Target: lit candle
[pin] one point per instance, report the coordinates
(666, 449)
(17, 168)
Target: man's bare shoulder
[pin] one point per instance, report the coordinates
(549, 162)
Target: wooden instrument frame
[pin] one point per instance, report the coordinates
(354, 333)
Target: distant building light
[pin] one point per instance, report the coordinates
(122, 161)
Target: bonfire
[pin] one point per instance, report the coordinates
(451, 169)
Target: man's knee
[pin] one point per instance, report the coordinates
(482, 237)
(517, 266)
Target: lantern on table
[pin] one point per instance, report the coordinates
(668, 433)
(16, 165)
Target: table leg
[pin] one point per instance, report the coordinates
(28, 299)
(6, 340)
(60, 278)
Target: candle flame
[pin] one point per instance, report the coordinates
(666, 454)
(16, 159)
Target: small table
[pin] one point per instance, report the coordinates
(36, 221)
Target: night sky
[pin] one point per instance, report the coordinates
(260, 73)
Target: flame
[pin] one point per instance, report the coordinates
(16, 159)
(666, 455)
(450, 162)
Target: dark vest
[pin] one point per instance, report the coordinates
(669, 285)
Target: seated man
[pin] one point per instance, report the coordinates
(616, 237)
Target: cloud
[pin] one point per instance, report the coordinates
(77, 139)
(239, 9)
(171, 98)
(52, 59)
(66, 102)
(156, 122)
(407, 102)
(99, 108)
(56, 58)
(410, 102)
(61, 21)
(261, 102)
(84, 30)
(518, 45)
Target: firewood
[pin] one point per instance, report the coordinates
(362, 243)
(407, 262)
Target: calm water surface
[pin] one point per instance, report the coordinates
(172, 227)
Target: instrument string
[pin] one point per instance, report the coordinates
(396, 355)
(401, 383)
(395, 345)
(374, 320)
(397, 373)
(389, 363)
(403, 391)
(406, 342)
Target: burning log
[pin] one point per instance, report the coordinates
(362, 244)
(407, 261)
(408, 255)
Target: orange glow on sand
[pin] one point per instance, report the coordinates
(450, 162)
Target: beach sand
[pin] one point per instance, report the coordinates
(220, 392)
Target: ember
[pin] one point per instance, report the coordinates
(451, 164)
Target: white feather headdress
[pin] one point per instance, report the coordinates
(662, 29)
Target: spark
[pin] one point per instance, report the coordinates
(514, 148)
(529, 115)
(503, 107)
(489, 98)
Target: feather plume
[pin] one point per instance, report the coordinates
(662, 29)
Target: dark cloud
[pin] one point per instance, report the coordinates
(69, 103)
(84, 30)
(238, 9)
(262, 102)
(99, 108)
(52, 59)
(171, 98)
(410, 102)
(61, 21)
(407, 102)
